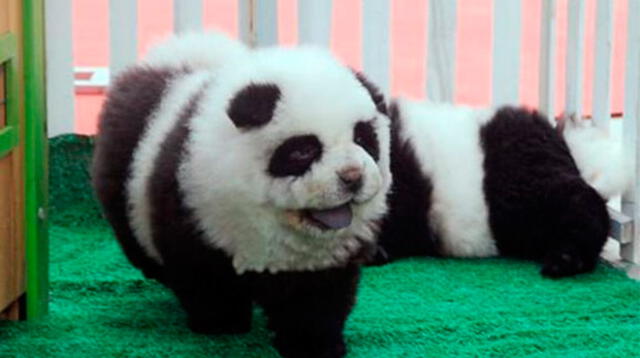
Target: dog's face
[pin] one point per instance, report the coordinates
(303, 152)
(323, 165)
(321, 148)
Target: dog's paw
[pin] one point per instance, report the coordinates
(378, 258)
(208, 326)
(563, 264)
(337, 350)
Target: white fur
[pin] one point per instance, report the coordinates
(196, 50)
(447, 144)
(162, 121)
(241, 209)
(598, 156)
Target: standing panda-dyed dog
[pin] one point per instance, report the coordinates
(480, 183)
(235, 176)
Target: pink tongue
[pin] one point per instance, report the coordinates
(336, 218)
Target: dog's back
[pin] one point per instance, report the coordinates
(125, 115)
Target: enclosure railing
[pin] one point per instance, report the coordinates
(258, 26)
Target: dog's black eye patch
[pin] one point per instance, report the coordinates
(253, 105)
(295, 155)
(365, 136)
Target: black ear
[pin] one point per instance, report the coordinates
(253, 105)
(374, 92)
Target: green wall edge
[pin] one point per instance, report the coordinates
(36, 160)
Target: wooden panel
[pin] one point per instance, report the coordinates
(12, 312)
(3, 113)
(4, 16)
(11, 245)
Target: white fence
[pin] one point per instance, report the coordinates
(258, 26)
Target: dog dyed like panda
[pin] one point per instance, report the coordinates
(236, 176)
(480, 183)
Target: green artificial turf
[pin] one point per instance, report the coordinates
(102, 307)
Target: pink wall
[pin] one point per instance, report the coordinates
(408, 34)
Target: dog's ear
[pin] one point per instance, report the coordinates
(374, 92)
(561, 122)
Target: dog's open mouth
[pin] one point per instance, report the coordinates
(329, 219)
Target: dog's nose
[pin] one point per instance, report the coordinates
(351, 178)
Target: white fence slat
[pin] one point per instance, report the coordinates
(441, 50)
(376, 30)
(547, 58)
(507, 29)
(575, 57)
(123, 33)
(59, 53)
(245, 11)
(266, 22)
(187, 15)
(631, 130)
(314, 22)
(602, 64)
(258, 21)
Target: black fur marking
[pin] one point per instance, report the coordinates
(364, 135)
(295, 156)
(132, 98)
(376, 96)
(539, 206)
(215, 298)
(253, 106)
(405, 231)
(306, 310)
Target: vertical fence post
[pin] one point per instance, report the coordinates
(245, 21)
(59, 64)
(123, 33)
(602, 64)
(314, 22)
(258, 21)
(36, 156)
(187, 15)
(630, 248)
(376, 17)
(547, 58)
(507, 29)
(575, 57)
(441, 50)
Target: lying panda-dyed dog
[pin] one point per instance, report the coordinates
(235, 176)
(480, 183)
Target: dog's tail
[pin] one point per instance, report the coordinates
(598, 156)
(195, 51)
